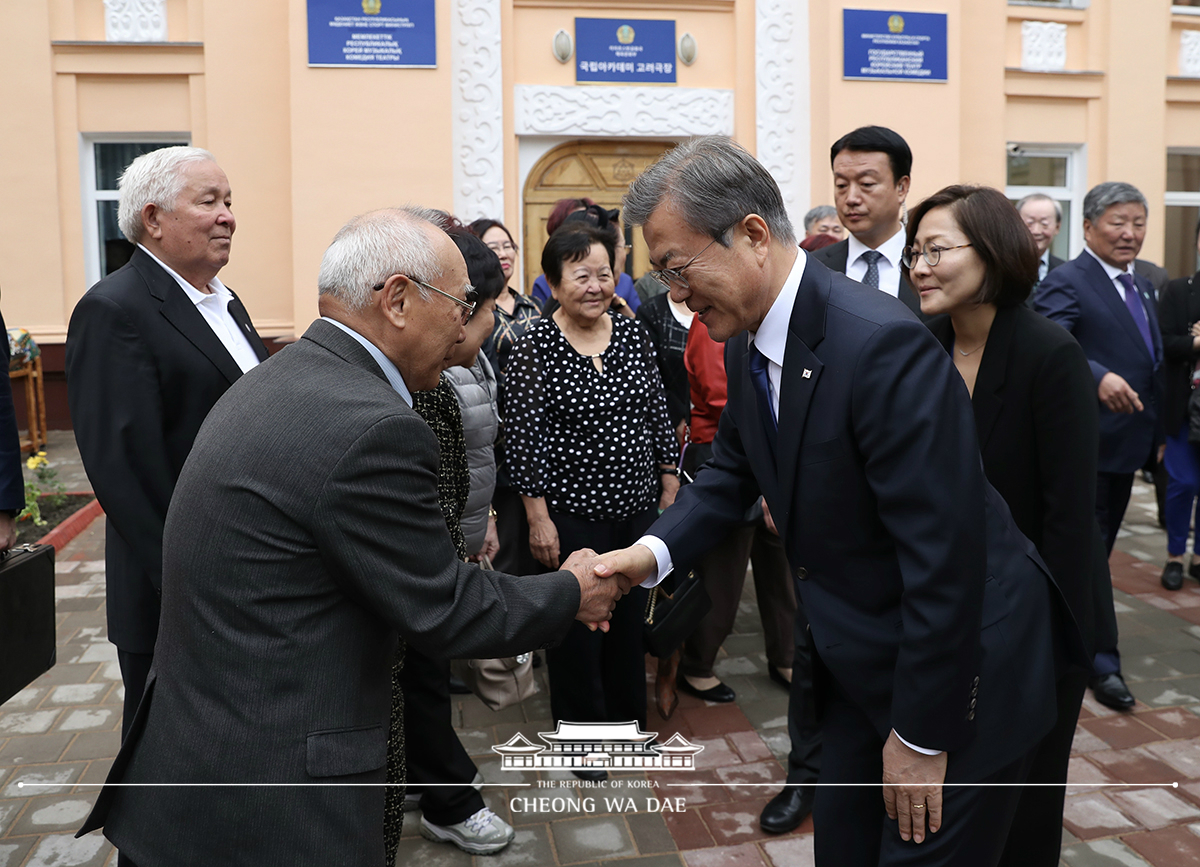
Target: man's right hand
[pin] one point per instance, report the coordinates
(1116, 394)
(632, 565)
(597, 596)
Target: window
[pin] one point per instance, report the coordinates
(103, 160)
(1057, 172)
(1182, 211)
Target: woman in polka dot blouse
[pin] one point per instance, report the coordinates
(592, 453)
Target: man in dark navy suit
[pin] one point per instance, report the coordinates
(931, 616)
(1109, 307)
(871, 168)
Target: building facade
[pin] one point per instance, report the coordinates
(1052, 96)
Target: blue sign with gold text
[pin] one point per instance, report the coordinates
(894, 46)
(624, 51)
(393, 33)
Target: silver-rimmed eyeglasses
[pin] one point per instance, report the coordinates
(667, 276)
(932, 254)
(468, 306)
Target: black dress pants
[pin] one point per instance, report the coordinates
(804, 758)
(512, 529)
(1112, 498)
(598, 676)
(1036, 836)
(853, 829)
(432, 750)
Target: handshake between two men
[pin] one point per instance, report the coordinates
(605, 578)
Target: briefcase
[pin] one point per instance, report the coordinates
(27, 647)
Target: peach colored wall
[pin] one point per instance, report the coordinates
(307, 148)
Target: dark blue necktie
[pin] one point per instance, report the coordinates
(1133, 300)
(762, 389)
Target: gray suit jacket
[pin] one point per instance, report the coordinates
(304, 532)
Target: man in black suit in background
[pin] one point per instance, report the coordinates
(871, 169)
(1043, 218)
(150, 349)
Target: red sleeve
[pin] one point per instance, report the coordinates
(704, 359)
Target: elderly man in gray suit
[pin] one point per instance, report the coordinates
(303, 534)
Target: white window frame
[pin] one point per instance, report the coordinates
(90, 196)
(1180, 198)
(1073, 192)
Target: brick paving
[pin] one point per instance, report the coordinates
(64, 730)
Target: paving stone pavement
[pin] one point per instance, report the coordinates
(64, 731)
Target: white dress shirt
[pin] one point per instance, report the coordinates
(889, 262)
(214, 308)
(1044, 265)
(1114, 273)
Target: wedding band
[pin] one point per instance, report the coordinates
(918, 806)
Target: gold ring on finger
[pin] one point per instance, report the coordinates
(918, 806)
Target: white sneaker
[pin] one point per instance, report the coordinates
(483, 833)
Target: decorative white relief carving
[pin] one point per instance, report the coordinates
(1043, 46)
(782, 98)
(135, 20)
(1189, 53)
(623, 111)
(477, 105)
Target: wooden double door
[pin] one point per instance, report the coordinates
(598, 170)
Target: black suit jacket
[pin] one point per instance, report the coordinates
(835, 256)
(927, 606)
(304, 533)
(1036, 416)
(1178, 308)
(143, 370)
(1051, 263)
(12, 483)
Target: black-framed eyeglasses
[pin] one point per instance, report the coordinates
(468, 306)
(667, 276)
(932, 254)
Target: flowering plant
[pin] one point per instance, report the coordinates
(46, 483)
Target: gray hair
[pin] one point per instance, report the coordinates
(372, 247)
(817, 214)
(1041, 197)
(156, 179)
(1103, 196)
(711, 183)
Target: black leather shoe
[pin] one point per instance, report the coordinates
(1194, 569)
(788, 809)
(719, 693)
(597, 775)
(1172, 576)
(1110, 690)
(778, 678)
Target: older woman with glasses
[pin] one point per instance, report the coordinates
(970, 257)
(593, 454)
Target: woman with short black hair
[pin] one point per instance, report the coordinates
(970, 257)
(592, 452)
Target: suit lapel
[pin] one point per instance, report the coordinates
(1150, 306)
(801, 372)
(242, 318)
(1116, 304)
(987, 399)
(179, 310)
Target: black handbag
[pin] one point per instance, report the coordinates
(672, 617)
(27, 645)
